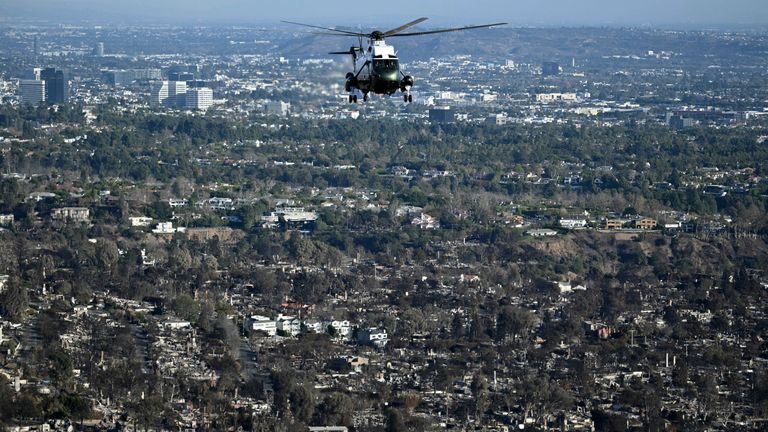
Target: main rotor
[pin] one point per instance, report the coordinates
(377, 35)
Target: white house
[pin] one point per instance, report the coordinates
(6, 219)
(343, 328)
(374, 336)
(264, 324)
(167, 228)
(288, 324)
(140, 221)
(177, 202)
(425, 221)
(573, 222)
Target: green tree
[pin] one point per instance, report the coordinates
(335, 410)
(15, 301)
(186, 308)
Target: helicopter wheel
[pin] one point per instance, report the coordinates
(410, 98)
(405, 98)
(350, 99)
(354, 99)
(365, 97)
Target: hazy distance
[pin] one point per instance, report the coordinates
(684, 13)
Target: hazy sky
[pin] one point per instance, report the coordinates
(690, 13)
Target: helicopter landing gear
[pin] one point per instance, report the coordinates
(407, 97)
(357, 93)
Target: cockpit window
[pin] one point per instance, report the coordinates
(385, 65)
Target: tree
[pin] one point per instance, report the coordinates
(14, 302)
(335, 410)
(107, 255)
(76, 406)
(302, 403)
(480, 395)
(186, 307)
(395, 422)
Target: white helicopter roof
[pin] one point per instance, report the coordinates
(380, 49)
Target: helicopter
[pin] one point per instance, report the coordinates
(377, 69)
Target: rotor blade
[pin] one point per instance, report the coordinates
(340, 52)
(447, 30)
(404, 26)
(348, 33)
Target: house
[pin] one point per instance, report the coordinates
(425, 221)
(597, 329)
(140, 221)
(541, 233)
(373, 336)
(645, 224)
(177, 202)
(77, 214)
(343, 328)
(293, 216)
(314, 326)
(6, 219)
(39, 196)
(264, 324)
(288, 324)
(573, 222)
(176, 324)
(613, 224)
(567, 286)
(218, 203)
(513, 219)
(165, 228)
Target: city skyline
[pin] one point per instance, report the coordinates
(687, 13)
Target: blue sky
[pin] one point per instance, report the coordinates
(690, 13)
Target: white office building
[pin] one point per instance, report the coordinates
(169, 93)
(199, 98)
(159, 93)
(32, 92)
(177, 91)
(278, 108)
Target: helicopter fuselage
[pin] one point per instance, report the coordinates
(377, 70)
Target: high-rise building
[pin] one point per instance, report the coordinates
(169, 93)
(56, 85)
(98, 50)
(279, 108)
(159, 93)
(177, 92)
(32, 92)
(33, 74)
(550, 69)
(199, 98)
(441, 115)
(126, 77)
